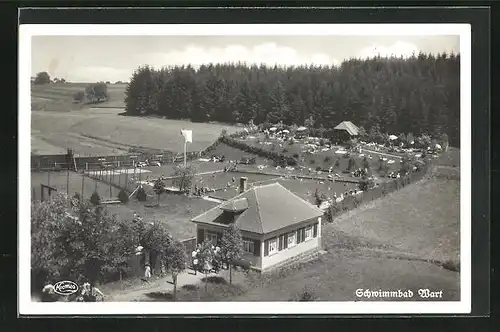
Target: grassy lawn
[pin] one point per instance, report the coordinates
(337, 276)
(422, 219)
(321, 159)
(235, 154)
(451, 158)
(175, 212)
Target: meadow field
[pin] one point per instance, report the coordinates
(97, 129)
(102, 131)
(59, 96)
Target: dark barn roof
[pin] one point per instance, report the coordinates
(262, 209)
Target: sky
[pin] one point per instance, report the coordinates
(114, 58)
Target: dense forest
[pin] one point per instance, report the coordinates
(420, 94)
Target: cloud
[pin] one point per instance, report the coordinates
(398, 49)
(100, 73)
(267, 53)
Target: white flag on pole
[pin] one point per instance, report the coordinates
(188, 135)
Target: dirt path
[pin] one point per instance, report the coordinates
(162, 284)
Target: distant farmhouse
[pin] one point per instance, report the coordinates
(345, 131)
(276, 225)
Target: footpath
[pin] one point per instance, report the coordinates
(161, 284)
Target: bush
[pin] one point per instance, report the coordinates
(79, 96)
(318, 168)
(123, 196)
(366, 163)
(141, 195)
(276, 157)
(322, 142)
(95, 199)
(296, 155)
(451, 265)
(190, 287)
(77, 196)
(285, 150)
(304, 295)
(312, 161)
(327, 159)
(337, 163)
(351, 164)
(365, 184)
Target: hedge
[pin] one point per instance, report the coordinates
(279, 158)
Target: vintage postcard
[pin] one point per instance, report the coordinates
(324, 167)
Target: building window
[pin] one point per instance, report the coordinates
(273, 246)
(291, 240)
(300, 235)
(248, 246)
(309, 233)
(212, 237)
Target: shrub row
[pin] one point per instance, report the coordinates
(278, 158)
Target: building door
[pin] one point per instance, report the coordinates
(212, 237)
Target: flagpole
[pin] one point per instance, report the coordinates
(185, 144)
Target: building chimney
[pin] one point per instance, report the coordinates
(243, 184)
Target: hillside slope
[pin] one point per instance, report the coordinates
(101, 131)
(59, 97)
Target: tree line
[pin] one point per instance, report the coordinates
(94, 93)
(415, 95)
(44, 78)
(79, 240)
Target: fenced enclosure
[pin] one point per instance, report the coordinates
(40, 163)
(71, 183)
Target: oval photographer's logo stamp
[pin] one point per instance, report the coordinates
(65, 287)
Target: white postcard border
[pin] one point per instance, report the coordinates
(27, 307)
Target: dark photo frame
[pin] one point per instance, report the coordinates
(477, 18)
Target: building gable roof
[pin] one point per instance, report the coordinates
(348, 126)
(270, 207)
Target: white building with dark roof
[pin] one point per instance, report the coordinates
(276, 225)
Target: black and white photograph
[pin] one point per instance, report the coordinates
(314, 166)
